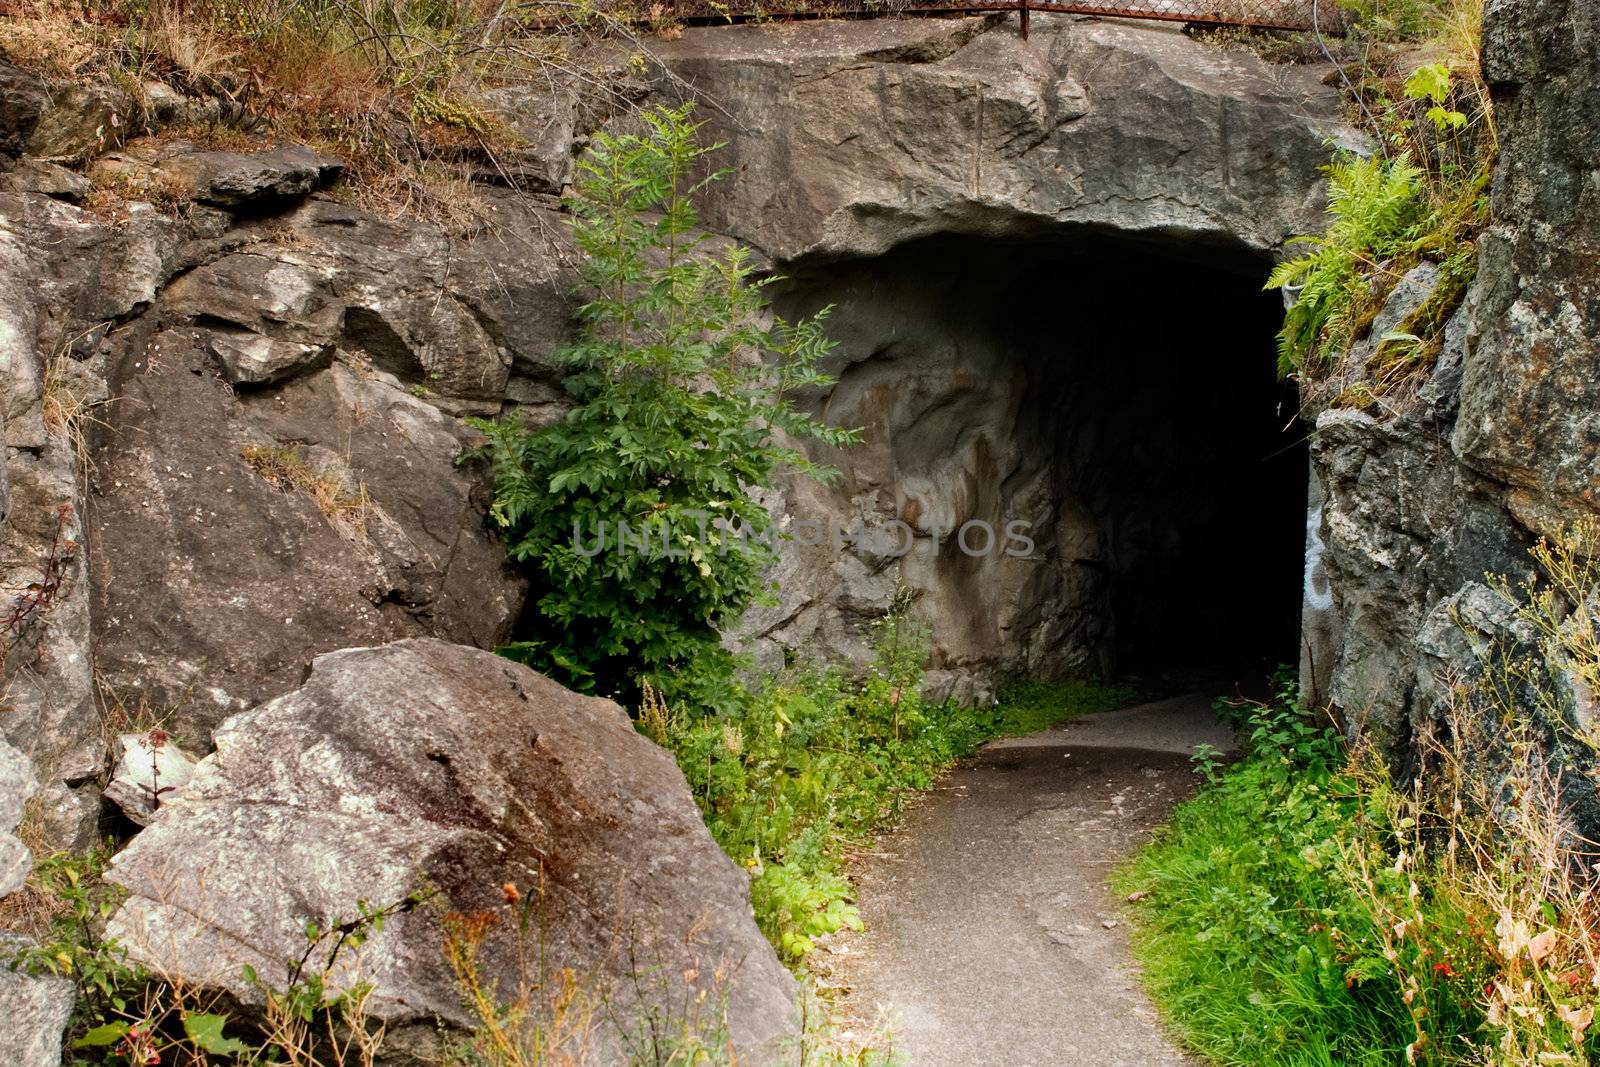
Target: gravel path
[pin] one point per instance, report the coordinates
(992, 939)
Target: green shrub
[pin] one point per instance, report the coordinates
(635, 512)
(1374, 207)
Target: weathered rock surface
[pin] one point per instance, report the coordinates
(269, 382)
(17, 784)
(182, 171)
(78, 121)
(422, 765)
(327, 510)
(285, 423)
(1530, 395)
(852, 143)
(52, 262)
(33, 1012)
(850, 138)
(149, 769)
(22, 101)
(1427, 493)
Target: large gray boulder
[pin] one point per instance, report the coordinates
(428, 766)
(33, 1011)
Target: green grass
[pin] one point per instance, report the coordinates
(1031, 705)
(1245, 937)
(815, 760)
(1257, 925)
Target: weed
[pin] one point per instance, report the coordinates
(637, 512)
(1250, 944)
(126, 1014)
(813, 760)
(1423, 198)
(347, 508)
(395, 87)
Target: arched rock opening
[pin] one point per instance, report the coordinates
(1116, 394)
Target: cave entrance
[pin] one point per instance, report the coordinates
(1119, 395)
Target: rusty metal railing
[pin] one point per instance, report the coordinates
(1326, 15)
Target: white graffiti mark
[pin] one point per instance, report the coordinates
(1319, 591)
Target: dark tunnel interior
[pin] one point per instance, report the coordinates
(1143, 374)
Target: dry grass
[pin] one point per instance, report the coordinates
(30, 911)
(1486, 873)
(549, 1021)
(342, 500)
(394, 87)
(1564, 608)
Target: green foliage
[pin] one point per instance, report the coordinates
(75, 947)
(1374, 210)
(125, 1015)
(1305, 909)
(635, 512)
(1431, 82)
(812, 761)
(1251, 943)
(1027, 705)
(1395, 20)
(1422, 199)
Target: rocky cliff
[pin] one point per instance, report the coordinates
(232, 399)
(1029, 247)
(232, 411)
(1424, 498)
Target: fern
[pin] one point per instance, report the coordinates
(1375, 209)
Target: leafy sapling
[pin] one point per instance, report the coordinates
(635, 514)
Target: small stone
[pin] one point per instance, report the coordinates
(1109, 924)
(250, 359)
(150, 770)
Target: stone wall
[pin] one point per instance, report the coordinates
(274, 379)
(233, 419)
(232, 435)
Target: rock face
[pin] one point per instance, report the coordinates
(1502, 444)
(1530, 398)
(422, 765)
(17, 784)
(269, 384)
(270, 381)
(33, 1013)
(62, 278)
(851, 138)
(951, 189)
